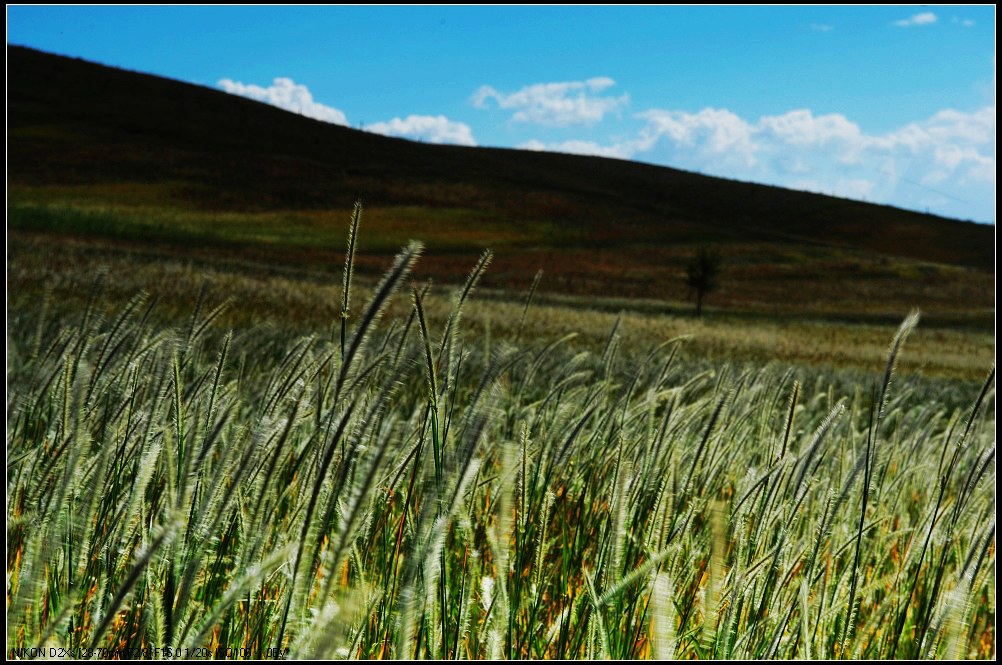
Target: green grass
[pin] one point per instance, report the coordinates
(189, 474)
(216, 441)
(758, 279)
(74, 213)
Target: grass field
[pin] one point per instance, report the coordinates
(222, 443)
(447, 474)
(304, 299)
(789, 280)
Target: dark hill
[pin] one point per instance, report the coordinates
(71, 121)
(82, 131)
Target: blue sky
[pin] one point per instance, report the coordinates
(886, 104)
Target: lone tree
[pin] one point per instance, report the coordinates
(702, 273)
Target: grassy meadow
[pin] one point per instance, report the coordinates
(786, 278)
(223, 454)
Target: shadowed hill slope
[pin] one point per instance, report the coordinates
(142, 159)
(70, 121)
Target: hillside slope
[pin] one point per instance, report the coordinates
(95, 139)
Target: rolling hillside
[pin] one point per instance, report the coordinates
(111, 156)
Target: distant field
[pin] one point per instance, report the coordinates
(304, 298)
(789, 280)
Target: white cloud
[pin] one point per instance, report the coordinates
(822, 27)
(925, 18)
(802, 130)
(951, 151)
(715, 134)
(576, 147)
(961, 144)
(289, 95)
(850, 188)
(296, 97)
(555, 104)
(433, 129)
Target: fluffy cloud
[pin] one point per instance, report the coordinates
(710, 133)
(555, 104)
(952, 151)
(576, 147)
(925, 18)
(957, 143)
(803, 129)
(433, 129)
(296, 97)
(852, 188)
(289, 95)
